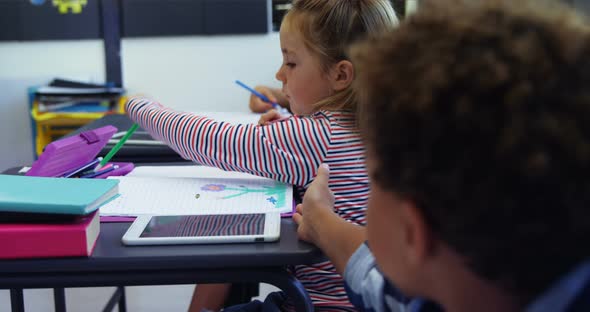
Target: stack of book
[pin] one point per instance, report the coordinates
(51, 217)
(71, 96)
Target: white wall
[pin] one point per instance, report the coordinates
(198, 74)
(186, 73)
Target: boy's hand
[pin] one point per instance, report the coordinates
(317, 208)
(259, 106)
(318, 224)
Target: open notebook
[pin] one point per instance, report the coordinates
(179, 190)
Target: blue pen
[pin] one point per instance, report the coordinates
(82, 168)
(276, 106)
(95, 174)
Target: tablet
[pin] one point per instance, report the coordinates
(203, 229)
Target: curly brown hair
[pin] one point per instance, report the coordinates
(479, 112)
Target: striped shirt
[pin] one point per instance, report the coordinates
(289, 151)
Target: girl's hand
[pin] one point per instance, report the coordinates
(269, 117)
(259, 106)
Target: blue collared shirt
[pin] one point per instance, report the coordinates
(370, 291)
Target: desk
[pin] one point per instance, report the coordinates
(113, 264)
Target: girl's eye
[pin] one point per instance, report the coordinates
(290, 65)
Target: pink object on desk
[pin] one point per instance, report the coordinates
(123, 169)
(67, 154)
(59, 239)
(289, 214)
(112, 219)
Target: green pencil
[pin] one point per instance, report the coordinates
(117, 147)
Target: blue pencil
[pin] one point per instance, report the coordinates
(261, 96)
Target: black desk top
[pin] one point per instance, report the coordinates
(110, 255)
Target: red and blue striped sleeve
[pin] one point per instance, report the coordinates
(288, 151)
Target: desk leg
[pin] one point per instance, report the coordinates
(59, 299)
(122, 304)
(17, 301)
(118, 298)
(294, 290)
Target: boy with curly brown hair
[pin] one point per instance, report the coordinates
(476, 116)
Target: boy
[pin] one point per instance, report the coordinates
(476, 116)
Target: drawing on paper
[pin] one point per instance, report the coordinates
(275, 193)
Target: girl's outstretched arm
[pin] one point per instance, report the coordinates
(288, 151)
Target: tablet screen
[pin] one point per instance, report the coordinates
(204, 225)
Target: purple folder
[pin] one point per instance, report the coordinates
(65, 155)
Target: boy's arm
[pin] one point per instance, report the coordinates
(318, 224)
(367, 288)
(342, 242)
(288, 151)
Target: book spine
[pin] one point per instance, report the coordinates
(40, 207)
(35, 241)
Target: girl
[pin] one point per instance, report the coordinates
(316, 75)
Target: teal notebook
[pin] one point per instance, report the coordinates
(55, 195)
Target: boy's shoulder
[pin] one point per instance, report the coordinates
(571, 293)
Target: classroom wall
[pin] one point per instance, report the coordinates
(186, 73)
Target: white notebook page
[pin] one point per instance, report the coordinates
(178, 196)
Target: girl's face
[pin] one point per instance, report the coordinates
(304, 82)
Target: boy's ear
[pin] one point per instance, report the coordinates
(341, 75)
(418, 237)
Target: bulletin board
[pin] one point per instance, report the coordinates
(23, 20)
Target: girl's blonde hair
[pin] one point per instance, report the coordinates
(328, 27)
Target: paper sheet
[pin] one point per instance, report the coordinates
(178, 196)
(189, 171)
